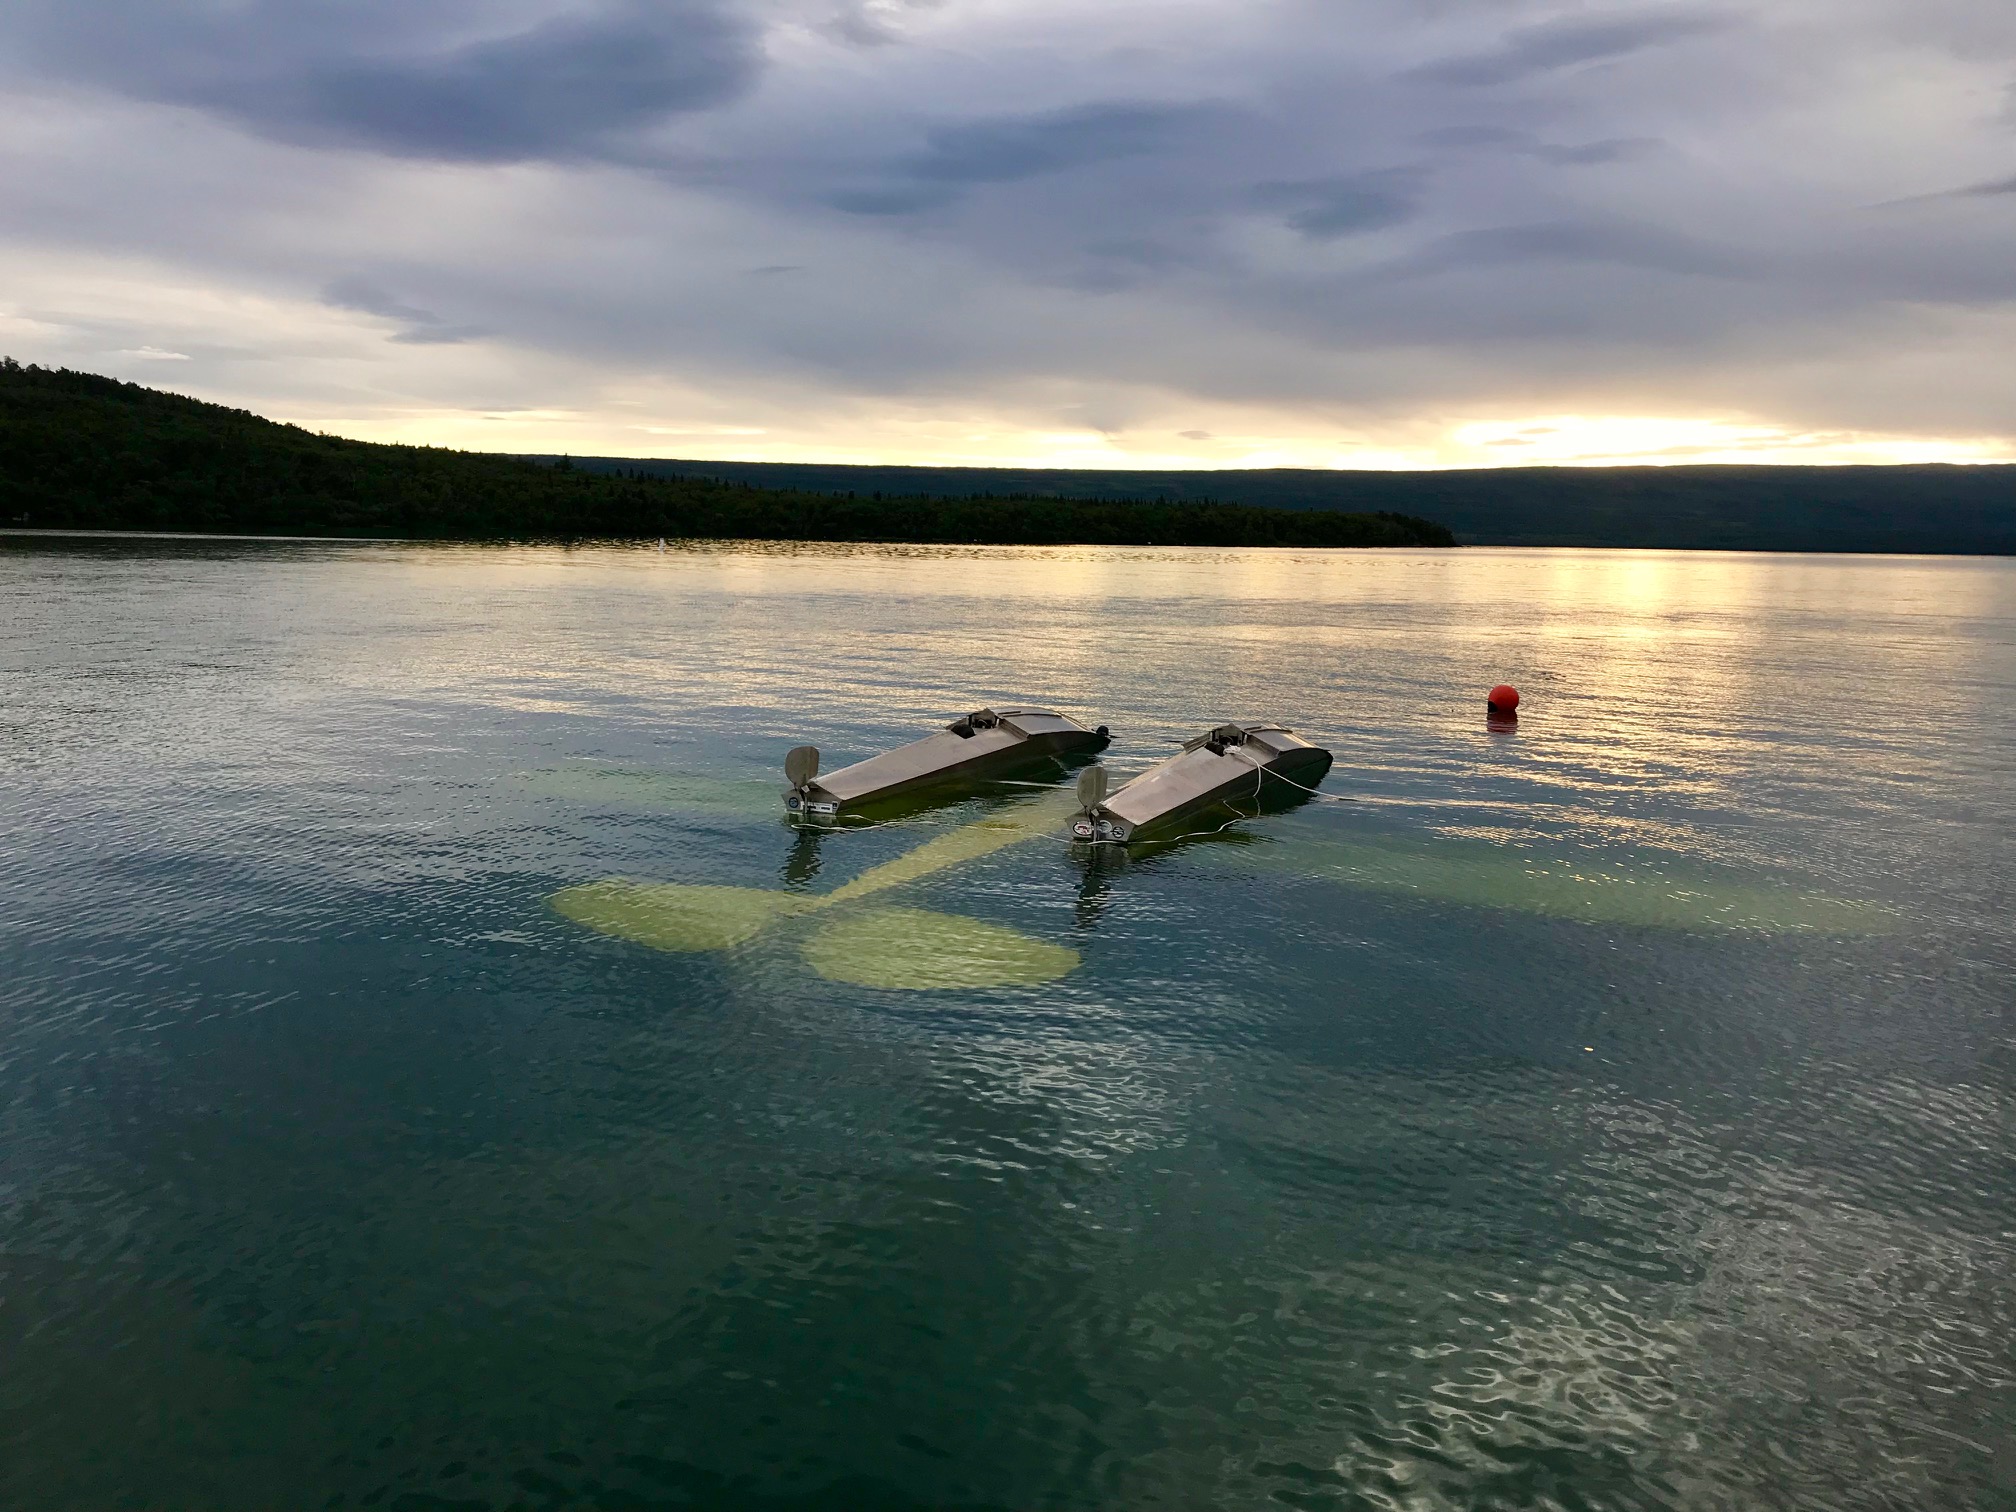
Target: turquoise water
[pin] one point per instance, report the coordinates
(1611, 1113)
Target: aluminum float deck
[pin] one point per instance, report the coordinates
(1232, 761)
(985, 744)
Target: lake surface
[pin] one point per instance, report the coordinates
(1611, 1113)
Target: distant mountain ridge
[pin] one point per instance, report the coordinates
(1965, 510)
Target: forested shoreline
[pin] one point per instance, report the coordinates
(83, 452)
(1950, 508)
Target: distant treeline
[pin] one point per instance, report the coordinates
(1932, 508)
(83, 452)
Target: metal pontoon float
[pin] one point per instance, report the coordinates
(984, 744)
(1232, 761)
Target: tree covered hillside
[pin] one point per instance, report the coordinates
(1930, 507)
(83, 452)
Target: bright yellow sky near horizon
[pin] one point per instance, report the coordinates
(906, 439)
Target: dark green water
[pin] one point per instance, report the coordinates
(1612, 1114)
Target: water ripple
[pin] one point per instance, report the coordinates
(1614, 1112)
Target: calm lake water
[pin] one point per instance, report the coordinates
(1614, 1113)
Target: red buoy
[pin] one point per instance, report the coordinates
(1502, 699)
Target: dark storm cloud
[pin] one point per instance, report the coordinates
(1323, 209)
(362, 295)
(1503, 138)
(438, 335)
(1139, 252)
(1473, 136)
(412, 83)
(1991, 189)
(1617, 243)
(893, 199)
(962, 155)
(1552, 45)
(997, 151)
(866, 23)
(422, 327)
(1611, 150)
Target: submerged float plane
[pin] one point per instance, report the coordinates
(1230, 772)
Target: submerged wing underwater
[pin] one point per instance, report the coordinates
(898, 948)
(1589, 889)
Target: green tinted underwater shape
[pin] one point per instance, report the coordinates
(674, 915)
(898, 948)
(1479, 875)
(640, 788)
(910, 949)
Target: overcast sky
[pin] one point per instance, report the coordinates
(1146, 232)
